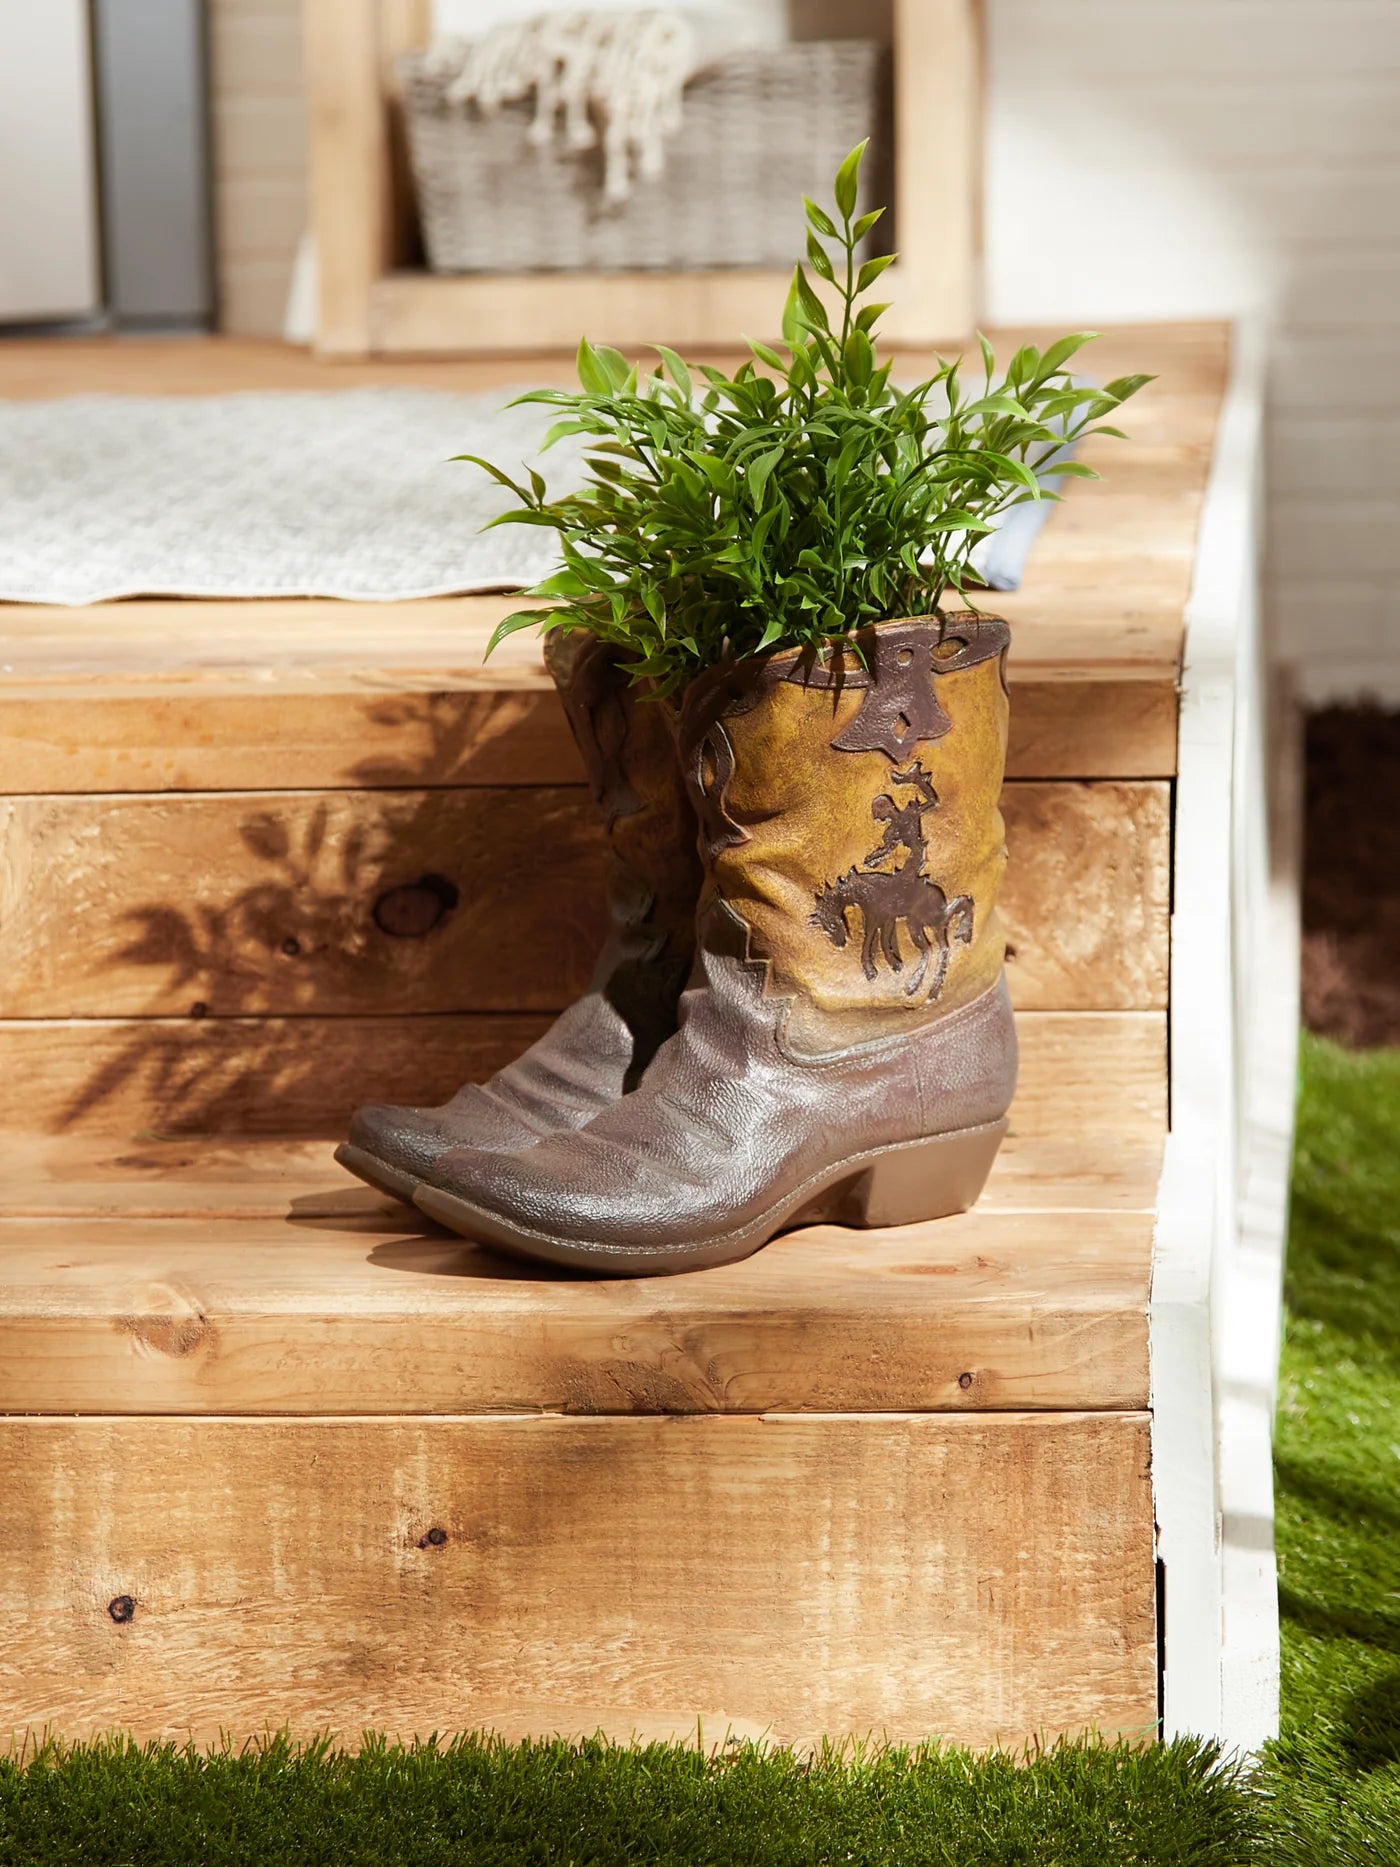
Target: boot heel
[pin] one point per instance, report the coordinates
(926, 1180)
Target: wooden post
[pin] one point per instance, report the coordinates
(938, 83)
(349, 168)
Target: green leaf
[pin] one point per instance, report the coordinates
(1124, 386)
(871, 271)
(869, 316)
(592, 371)
(497, 473)
(821, 220)
(847, 176)
(512, 624)
(813, 311)
(561, 428)
(859, 358)
(1070, 469)
(766, 354)
(562, 583)
(756, 474)
(1062, 350)
(816, 255)
(680, 373)
(792, 322)
(1023, 365)
(865, 223)
(617, 366)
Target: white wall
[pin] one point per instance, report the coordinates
(1149, 158)
(48, 177)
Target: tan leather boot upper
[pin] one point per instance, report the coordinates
(850, 818)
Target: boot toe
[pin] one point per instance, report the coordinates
(575, 1192)
(412, 1140)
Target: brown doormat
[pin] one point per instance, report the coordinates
(1351, 876)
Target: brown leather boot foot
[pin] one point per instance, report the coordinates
(597, 1049)
(917, 1180)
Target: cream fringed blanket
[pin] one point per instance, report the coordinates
(623, 72)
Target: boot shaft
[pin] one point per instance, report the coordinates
(628, 746)
(849, 819)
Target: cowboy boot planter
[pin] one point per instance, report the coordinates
(846, 1047)
(597, 1049)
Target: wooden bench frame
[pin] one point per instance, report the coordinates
(1216, 1314)
(368, 304)
(1212, 1325)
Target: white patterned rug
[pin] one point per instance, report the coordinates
(340, 492)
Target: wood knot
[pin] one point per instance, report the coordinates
(121, 1608)
(413, 909)
(433, 1540)
(168, 1322)
(964, 1381)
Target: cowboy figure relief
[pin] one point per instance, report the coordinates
(887, 897)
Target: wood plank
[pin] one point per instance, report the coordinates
(1123, 623)
(281, 902)
(394, 730)
(521, 313)
(266, 902)
(145, 1078)
(344, 1311)
(336, 1309)
(100, 1177)
(332, 1311)
(184, 1578)
(266, 1281)
(1190, 358)
(1092, 1087)
(154, 1078)
(1086, 895)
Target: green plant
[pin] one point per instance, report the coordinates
(789, 504)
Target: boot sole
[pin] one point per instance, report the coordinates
(378, 1173)
(910, 1183)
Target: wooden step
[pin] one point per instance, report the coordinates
(987, 1576)
(336, 1468)
(274, 1449)
(222, 1277)
(162, 695)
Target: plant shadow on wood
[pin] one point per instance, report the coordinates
(312, 951)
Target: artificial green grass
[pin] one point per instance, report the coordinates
(1328, 1795)
(1335, 1774)
(1078, 1805)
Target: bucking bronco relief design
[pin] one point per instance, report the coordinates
(888, 898)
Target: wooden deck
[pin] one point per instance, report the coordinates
(945, 1426)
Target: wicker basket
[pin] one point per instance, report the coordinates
(758, 131)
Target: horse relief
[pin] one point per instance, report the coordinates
(904, 896)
